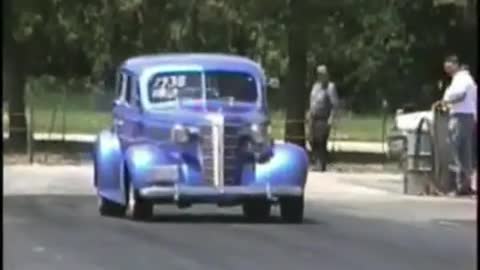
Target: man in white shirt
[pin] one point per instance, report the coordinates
(461, 99)
(323, 104)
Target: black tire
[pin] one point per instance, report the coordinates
(291, 209)
(142, 209)
(256, 210)
(111, 209)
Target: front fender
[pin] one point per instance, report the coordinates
(287, 166)
(141, 158)
(108, 167)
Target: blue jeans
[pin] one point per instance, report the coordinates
(460, 129)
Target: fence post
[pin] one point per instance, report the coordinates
(30, 128)
(52, 126)
(64, 109)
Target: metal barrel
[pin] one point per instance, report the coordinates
(428, 157)
(418, 164)
(443, 150)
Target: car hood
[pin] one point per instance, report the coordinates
(198, 113)
(218, 107)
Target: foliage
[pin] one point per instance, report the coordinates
(365, 42)
(375, 49)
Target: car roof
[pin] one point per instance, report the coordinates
(208, 61)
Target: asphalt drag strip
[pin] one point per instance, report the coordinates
(51, 222)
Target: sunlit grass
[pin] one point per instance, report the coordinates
(348, 127)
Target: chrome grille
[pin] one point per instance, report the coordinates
(206, 148)
(231, 143)
(221, 143)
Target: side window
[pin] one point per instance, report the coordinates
(135, 92)
(121, 87)
(128, 89)
(118, 85)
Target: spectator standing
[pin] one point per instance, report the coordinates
(461, 99)
(323, 105)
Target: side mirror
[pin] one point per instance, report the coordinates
(274, 83)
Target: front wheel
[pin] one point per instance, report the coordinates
(142, 209)
(291, 209)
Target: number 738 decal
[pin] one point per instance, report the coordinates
(166, 87)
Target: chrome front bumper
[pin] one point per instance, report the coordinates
(180, 191)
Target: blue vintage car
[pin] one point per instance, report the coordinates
(194, 128)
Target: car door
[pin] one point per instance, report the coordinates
(119, 107)
(127, 113)
(133, 126)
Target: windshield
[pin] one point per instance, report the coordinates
(223, 86)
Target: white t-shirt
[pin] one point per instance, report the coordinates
(462, 94)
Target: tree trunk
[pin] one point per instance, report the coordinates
(15, 81)
(195, 42)
(297, 62)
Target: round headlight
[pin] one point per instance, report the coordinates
(179, 134)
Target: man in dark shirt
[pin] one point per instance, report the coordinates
(323, 104)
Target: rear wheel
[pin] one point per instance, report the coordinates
(291, 209)
(256, 210)
(110, 208)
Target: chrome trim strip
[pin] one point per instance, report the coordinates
(217, 121)
(216, 154)
(221, 152)
(269, 191)
(178, 191)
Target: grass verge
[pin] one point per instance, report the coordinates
(81, 114)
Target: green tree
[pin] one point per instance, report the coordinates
(365, 43)
(15, 76)
(296, 79)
